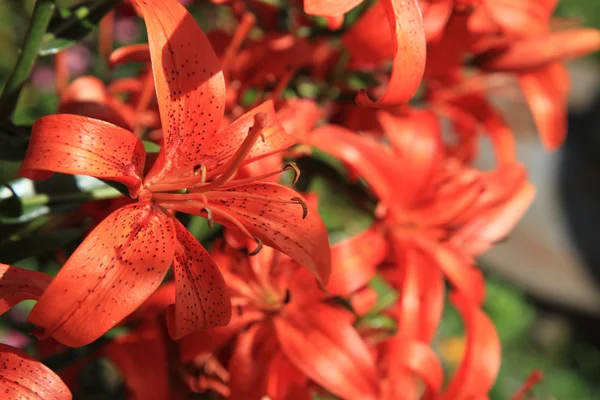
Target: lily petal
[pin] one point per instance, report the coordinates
(141, 357)
(523, 18)
(118, 266)
(230, 139)
(416, 357)
(88, 96)
(373, 161)
(202, 299)
(287, 227)
(479, 234)
(481, 362)
(22, 377)
(189, 86)
(322, 343)
(416, 139)
(18, 284)
(285, 381)
(132, 53)
(329, 8)
(546, 92)
(407, 45)
(209, 340)
(77, 145)
(538, 51)
(457, 268)
(252, 353)
(355, 260)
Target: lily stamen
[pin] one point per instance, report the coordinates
(173, 197)
(209, 216)
(236, 182)
(261, 121)
(222, 194)
(200, 169)
(230, 218)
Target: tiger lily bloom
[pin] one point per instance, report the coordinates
(446, 212)
(125, 258)
(284, 332)
(542, 77)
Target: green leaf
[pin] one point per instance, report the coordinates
(15, 250)
(33, 38)
(386, 294)
(377, 322)
(150, 147)
(9, 170)
(69, 26)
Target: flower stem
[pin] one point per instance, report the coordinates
(42, 13)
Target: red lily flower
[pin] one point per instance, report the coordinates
(428, 203)
(293, 336)
(542, 78)
(126, 257)
(527, 49)
(22, 377)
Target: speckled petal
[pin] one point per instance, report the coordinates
(24, 378)
(281, 226)
(118, 266)
(189, 86)
(77, 145)
(202, 299)
(18, 284)
(224, 146)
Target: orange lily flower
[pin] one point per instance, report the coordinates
(285, 334)
(125, 258)
(543, 79)
(527, 49)
(443, 210)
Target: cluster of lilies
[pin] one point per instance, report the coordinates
(268, 308)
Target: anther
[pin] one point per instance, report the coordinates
(209, 216)
(303, 204)
(289, 166)
(288, 297)
(200, 169)
(259, 246)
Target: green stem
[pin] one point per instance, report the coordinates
(42, 13)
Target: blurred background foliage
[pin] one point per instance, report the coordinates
(533, 336)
